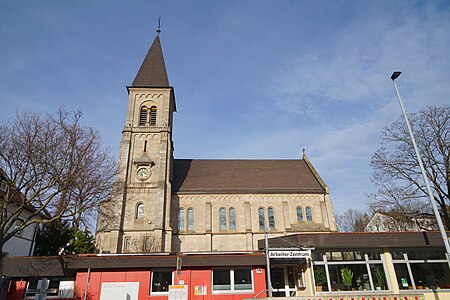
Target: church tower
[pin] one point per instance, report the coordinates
(136, 219)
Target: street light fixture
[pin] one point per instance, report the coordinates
(394, 76)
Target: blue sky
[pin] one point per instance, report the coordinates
(253, 79)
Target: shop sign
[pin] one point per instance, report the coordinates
(289, 254)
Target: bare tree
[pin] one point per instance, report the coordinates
(396, 173)
(54, 169)
(352, 220)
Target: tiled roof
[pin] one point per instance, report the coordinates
(244, 176)
(153, 69)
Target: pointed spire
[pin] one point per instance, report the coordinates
(153, 69)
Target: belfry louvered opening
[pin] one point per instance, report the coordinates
(147, 116)
(143, 116)
(153, 116)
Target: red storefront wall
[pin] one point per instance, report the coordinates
(192, 278)
(16, 290)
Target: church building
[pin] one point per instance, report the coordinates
(223, 229)
(163, 204)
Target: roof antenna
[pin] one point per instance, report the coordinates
(158, 31)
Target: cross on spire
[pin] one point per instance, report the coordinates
(158, 30)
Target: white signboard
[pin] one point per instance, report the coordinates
(66, 289)
(178, 292)
(120, 291)
(295, 254)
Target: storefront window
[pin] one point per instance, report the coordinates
(373, 255)
(320, 278)
(426, 254)
(421, 269)
(378, 276)
(349, 271)
(232, 280)
(347, 278)
(431, 275)
(221, 280)
(161, 280)
(348, 255)
(42, 286)
(403, 278)
(317, 256)
(243, 279)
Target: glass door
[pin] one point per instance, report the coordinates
(283, 281)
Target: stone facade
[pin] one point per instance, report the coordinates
(161, 204)
(208, 235)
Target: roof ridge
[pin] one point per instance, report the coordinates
(237, 159)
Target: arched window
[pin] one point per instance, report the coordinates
(140, 211)
(262, 223)
(232, 218)
(181, 219)
(271, 215)
(190, 219)
(222, 219)
(153, 116)
(143, 116)
(299, 214)
(309, 217)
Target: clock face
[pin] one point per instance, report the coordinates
(143, 173)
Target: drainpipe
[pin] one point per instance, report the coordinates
(87, 283)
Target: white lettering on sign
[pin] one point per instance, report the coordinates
(289, 254)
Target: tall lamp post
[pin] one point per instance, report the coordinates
(394, 76)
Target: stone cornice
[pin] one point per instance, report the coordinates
(144, 129)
